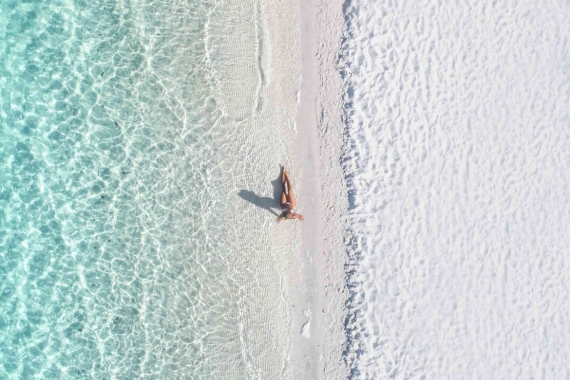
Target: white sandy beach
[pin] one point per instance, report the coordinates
(459, 135)
(315, 283)
(427, 155)
(454, 149)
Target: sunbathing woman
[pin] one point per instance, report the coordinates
(287, 199)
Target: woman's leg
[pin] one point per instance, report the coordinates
(289, 193)
(291, 197)
(284, 178)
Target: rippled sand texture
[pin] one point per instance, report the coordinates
(458, 117)
(122, 243)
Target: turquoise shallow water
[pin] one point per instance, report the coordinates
(112, 254)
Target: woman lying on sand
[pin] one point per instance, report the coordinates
(287, 199)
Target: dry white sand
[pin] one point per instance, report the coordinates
(460, 133)
(457, 154)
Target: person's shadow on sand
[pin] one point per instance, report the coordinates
(265, 202)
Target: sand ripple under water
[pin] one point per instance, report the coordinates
(123, 147)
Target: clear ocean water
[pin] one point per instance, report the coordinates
(118, 242)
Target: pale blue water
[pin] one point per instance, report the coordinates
(112, 259)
